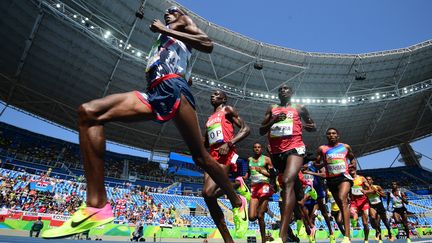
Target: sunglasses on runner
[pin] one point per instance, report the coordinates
(174, 9)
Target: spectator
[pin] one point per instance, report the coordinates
(138, 232)
(36, 227)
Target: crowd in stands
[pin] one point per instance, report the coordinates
(17, 195)
(27, 146)
(131, 203)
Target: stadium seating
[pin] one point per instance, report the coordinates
(26, 158)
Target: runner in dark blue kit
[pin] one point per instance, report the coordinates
(167, 97)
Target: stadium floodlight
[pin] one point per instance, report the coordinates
(103, 35)
(107, 34)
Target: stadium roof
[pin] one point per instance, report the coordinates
(59, 54)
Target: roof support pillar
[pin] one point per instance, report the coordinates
(122, 53)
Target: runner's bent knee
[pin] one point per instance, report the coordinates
(87, 112)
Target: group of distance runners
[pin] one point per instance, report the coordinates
(299, 177)
(168, 97)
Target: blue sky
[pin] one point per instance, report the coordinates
(334, 26)
(312, 25)
(337, 26)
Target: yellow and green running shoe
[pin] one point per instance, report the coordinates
(346, 240)
(85, 218)
(241, 221)
(243, 189)
(332, 239)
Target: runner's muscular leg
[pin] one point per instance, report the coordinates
(293, 165)
(253, 209)
(365, 216)
(262, 209)
(92, 117)
(404, 219)
(323, 208)
(187, 123)
(219, 192)
(341, 200)
(210, 188)
(386, 222)
(339, 222)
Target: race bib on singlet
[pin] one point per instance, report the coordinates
(234, 158)
(215, 134)
(331, 200)
(266, 189)
(374, 199)
(356, 191)
(282, 129)
(301, 150)
(396, 201)
(255, 179)
(336, 167)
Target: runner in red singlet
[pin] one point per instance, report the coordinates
(283, 126)
(334, 156)
(221, 139)
(359, 201)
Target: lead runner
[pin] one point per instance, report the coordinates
(167, 97)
